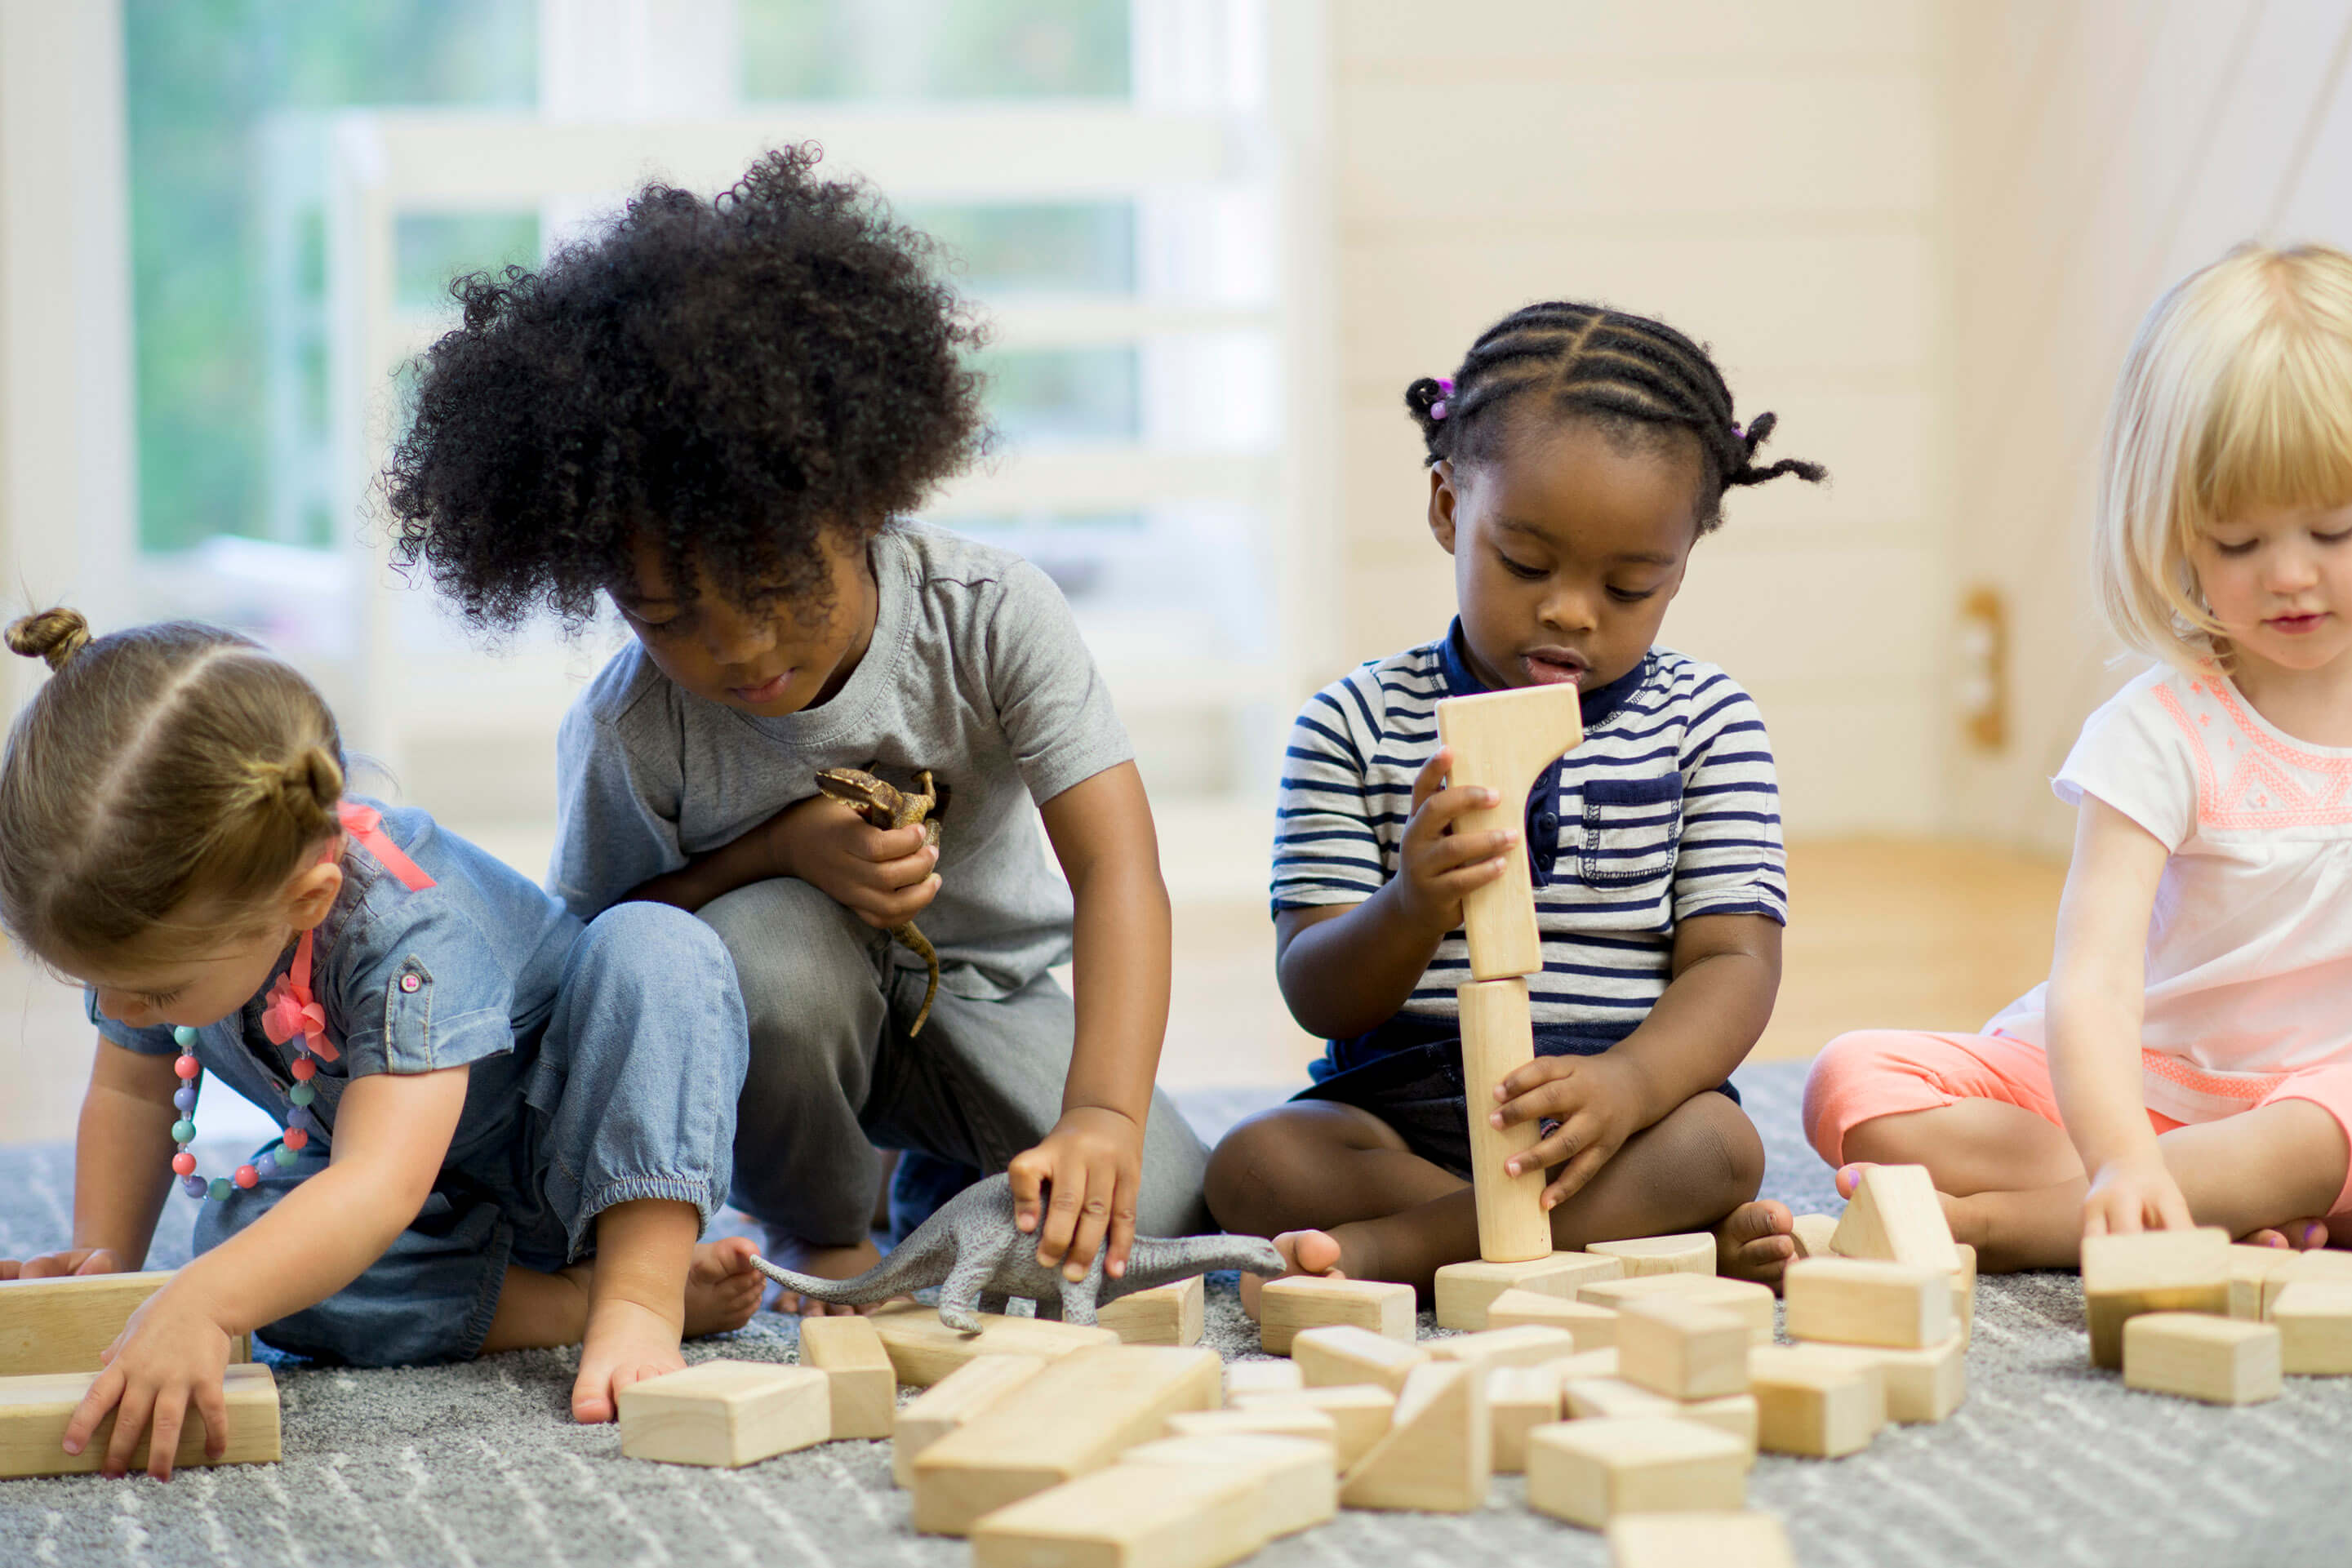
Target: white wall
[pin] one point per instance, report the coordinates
(1768, 179)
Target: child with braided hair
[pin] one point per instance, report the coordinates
(1574, 457)
(502, 1128)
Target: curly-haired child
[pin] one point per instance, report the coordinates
(719, 414)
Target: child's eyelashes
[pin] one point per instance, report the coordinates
(2241, 547)
(1521, 570)
(161, 999)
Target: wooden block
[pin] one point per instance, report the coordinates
(924, 1350)
(34, 1409)
(1812, 1232)
(1504, 741)
(1361, 1413)
(1518, 1400)
(1593, 1328)
(1601, 1363)
(725, 1413)
(66, 1324)
(1345, 1354)
(1925, 1384)
(2314, 1317)
(1964, 1291)
(1074, 1417)
(2328, 1265)
(1822, 1405)
(2222, 1360)
(1589, 1472)
(1166, 1315)
(1858, 1301)
(1645, 1254)
(2151, 1272)
(1896, 1216)
(1439, 1454)
(1467, 1291)
(1746, 1539)
(1298, 1483)
(1498, 1040)
(1743, 1299)
(1530, 1345)
(1681, 1350)
(1305, 1302)
(2249, 1266)
(1606, 1398)
(1292, 1421)
(1260, 1377)
(864, 1384)
(952, 1401)
(1183, 1516)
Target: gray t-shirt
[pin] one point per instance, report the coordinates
(976, 671)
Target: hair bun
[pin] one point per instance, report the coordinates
(306, 789)
(56, 635)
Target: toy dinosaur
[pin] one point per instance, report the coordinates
(979, 1259)
(886, 806)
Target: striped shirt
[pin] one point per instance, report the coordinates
(1667, 810)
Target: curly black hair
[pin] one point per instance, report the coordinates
(1637, 377)
(734, 379)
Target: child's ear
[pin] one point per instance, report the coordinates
(311, 893)
(1442, 498)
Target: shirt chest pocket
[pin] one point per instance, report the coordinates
(1631, 829)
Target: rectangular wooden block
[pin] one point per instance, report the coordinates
(1743, 1299)
(1518, 1400)
(2249, 1266)
(1589, 1472)
(1643, 1256)
(850, 1354)
(1074, 1417)
(1607, 1398)
(1812, 1233)
(725, 1413)
(1272, 1377)
(1530, 1345)
(1345, 1354)
(1820, 1406)
(1504, 741)
(34, 1409)
(2305, 1267)
(952, 1401)
(923, 1350)
(1292, 1421)
(1601, 1363)
(2151, 1272)
(1166, 1314)
(1855, 1301)
(1361, 1413)
(1169, 1516)
(1439, 1454)
(1285, 1307)
(1964, 1291)
(2314, 1317)
(1924, 1384)
(1746, 1540)
(1682, 1351)
(1496, 1042)
(63, 1325)
(1298, 1483)
(1896, 1216)
(1593, 1328)
(2222, 1360)
(1467, 1291)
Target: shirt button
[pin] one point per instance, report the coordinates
(409, 983)
(1548, 823)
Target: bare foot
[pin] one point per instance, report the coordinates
(2314, 1234)
(1304, 1252)
(825, 1263)
(625, 1343)
(1757, 1241)
(723, 1289)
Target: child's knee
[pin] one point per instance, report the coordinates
(1250, 1175)
(1714, 1151)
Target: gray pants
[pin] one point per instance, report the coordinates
(833, 1072)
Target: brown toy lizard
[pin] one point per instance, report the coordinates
(885, 806)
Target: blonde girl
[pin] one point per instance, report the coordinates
(2190, 1059)
(501, 1128)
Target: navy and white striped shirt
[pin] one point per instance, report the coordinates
(1668, 809)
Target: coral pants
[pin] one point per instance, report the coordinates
(1876, 1073)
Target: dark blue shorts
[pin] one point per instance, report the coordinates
(1408, 1073)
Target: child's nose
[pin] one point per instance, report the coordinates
(1571, 608)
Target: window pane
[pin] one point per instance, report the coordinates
(1062, 395)
(1084, 247)
(934, 48)
(431, 248)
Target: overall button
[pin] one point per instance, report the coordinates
(410, 983)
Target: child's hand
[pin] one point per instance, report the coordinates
(1092, 1162)
(1437, 866)
(885, 876)
(1596, 1099)
(168, 1354)
(2132, 1193)
(56, 1265)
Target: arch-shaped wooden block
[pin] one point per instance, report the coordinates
(1503, 740)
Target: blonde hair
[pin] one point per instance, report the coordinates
(2237, 394)
(160, 769)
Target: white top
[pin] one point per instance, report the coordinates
(2250, 945)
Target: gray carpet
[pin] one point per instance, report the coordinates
(2047, 1462)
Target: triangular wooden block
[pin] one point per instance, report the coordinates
(1896, 1216)
(1439, 1456)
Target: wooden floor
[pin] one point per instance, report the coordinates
(1897, 932)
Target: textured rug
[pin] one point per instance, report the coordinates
(2047, 1462)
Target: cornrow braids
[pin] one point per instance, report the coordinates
(1638, 376)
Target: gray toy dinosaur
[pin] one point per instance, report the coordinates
(972, 1250)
